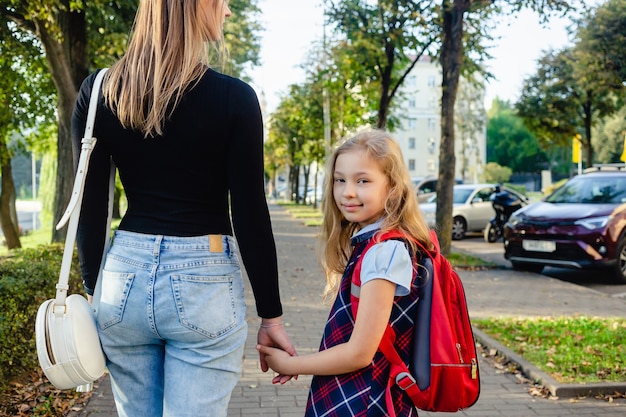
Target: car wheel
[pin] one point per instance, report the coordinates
(523, 266)
(459, 228)
(620, 265)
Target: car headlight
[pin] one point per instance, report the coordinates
(593, 223)
(514, 220)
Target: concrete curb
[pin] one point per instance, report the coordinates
(557, 389)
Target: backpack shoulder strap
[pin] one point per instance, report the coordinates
(355, 289)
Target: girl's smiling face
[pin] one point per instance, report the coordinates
(360, 187)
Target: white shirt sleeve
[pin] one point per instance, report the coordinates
(388, 260)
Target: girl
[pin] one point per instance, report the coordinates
(188, 145)
(368, 190)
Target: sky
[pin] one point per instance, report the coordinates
(292, 26)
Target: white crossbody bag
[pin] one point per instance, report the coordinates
(68, 346)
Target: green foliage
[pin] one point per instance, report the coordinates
(27, 279)
(241, 33)
(510, 143)
(494, 172)
(602, 42)
(608, 138)
(571, 349)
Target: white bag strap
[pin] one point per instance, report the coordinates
(72, 213)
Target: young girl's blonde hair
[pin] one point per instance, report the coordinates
(401, 211)
(167, 52)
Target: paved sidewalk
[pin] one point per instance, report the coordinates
(490, 293)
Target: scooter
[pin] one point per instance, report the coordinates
(504, 204)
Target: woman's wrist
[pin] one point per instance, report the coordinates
(269, 323)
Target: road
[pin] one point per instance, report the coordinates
(27, 215)
(598, 280)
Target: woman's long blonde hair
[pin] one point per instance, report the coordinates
(167, 52)
(401, 207)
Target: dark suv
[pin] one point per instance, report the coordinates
(580, 225)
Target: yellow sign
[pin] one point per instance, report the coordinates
(623, 157)
(576, 151)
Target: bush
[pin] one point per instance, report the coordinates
(493, 172)
(27, 279)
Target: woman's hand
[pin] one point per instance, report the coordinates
(272, 334)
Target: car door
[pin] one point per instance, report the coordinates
(482, 210)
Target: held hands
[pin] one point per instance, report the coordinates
(277, 360)
(272, 335)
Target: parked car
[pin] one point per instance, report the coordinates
(426, 187)
(471, 208)
(580, 225)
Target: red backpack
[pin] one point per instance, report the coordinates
(443, 372)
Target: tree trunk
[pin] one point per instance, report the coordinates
(8, 214)
(587, 119)
(385, 88)
(68, 63)
(451, 62)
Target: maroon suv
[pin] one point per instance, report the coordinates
(580, 225)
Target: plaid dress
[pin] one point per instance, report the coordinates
(362, 393)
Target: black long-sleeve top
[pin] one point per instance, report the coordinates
(206, 167)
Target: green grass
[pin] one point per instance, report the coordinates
(570, 349)
(462, 260)
(31, 240)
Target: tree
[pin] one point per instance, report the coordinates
(76, 38)
(602, 39)
(557, 103)
(609, 136)
(458, 38)
(386, 38)
(510, 143)
(61, 27)
(384, 41)
(27, 99)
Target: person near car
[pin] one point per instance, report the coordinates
(187, 142)
(368, 191)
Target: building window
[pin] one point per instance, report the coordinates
(411, 143)
(411, 123)
(431, 123)
(412, 103)
(431, 80)
(430, 165)
(432, 103)
(431, 145)
(411, 164)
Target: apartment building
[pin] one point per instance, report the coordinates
(419, 110)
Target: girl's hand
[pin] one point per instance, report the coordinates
(277, 360)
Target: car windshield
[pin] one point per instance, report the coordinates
(459, 196)
(591, 190)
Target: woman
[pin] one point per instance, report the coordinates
(188, 143)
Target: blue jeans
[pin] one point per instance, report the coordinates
(172, 324)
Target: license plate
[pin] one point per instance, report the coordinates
(539, 245)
